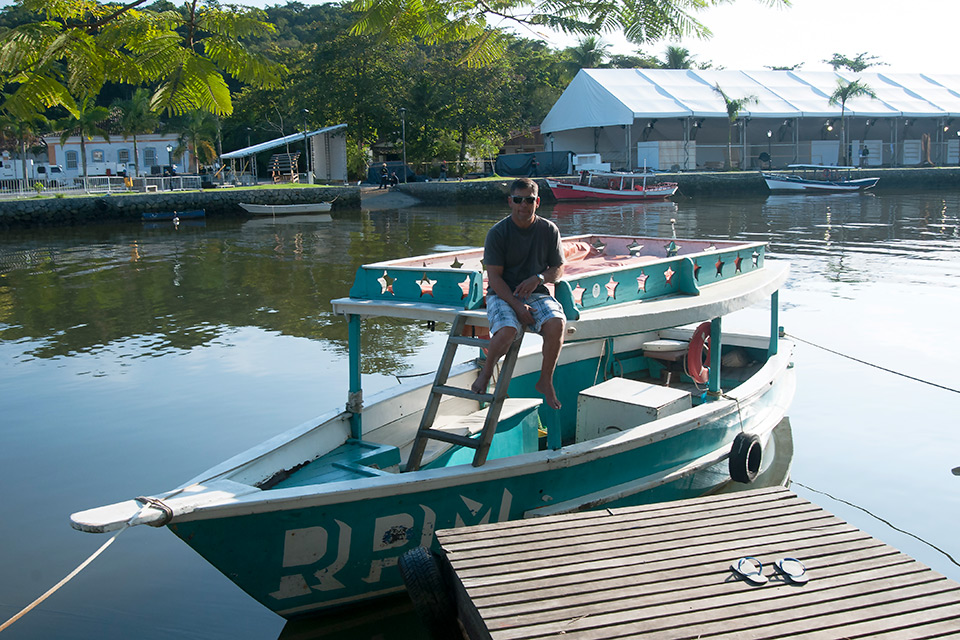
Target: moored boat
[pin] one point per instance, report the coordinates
(317, 517)
(191, 214)
(605, 185)
(286, 209)
(818, 178)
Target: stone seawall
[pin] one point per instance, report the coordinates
(218, 203)
(693, 184)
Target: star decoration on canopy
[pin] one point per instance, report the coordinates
(634, 248)
(386, 283)
(599, 246)
(736, 264)
(578, 292)
(612, 288)
(426, 285)
(719, 266)
(755, 258)
(668, 274)
(464, 288)
(672, 249)
(456, 263)
(642, 281)
(696, 270)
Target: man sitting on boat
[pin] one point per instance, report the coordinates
(523, 252)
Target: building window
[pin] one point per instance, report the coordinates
(150, 157)
(123, 156)
(72, 160)
(96, 155)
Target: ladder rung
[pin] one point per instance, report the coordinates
(452, 438)
(470, 341)
(462, 393)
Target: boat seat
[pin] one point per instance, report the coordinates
(350, 461)
(670, 353)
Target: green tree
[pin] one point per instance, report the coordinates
(677, 58)
(24, 131)
(85, 122)
(136, 118)
(80, 45)
(198, 133)
(590, 53)
(436, 21)
(733, 106)
(847, 91)
(861, 62)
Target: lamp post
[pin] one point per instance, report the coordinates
(769, 147)
(253, 158)
(306, 146)
(403, 140)
(170, 155)
(551, 143)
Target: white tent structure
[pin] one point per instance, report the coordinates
(677, 119)
(327, 152)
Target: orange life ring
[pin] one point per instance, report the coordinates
(613, 184)
(698, 354)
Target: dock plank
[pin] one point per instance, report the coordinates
(663, 571)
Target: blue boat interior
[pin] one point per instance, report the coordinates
(523, 430)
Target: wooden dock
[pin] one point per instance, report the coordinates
(663, 571)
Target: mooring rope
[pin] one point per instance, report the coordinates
(873, 515)
(870, 364)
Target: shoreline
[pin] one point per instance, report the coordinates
(224, 203)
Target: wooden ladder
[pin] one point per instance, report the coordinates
(441, 388)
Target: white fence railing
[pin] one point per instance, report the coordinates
(17, 188)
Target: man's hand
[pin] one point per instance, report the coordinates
(525, 315)
(526, 287)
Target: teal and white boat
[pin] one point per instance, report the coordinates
(317, 517)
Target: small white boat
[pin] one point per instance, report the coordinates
(607, 185)
(818, 178)
(286, 209)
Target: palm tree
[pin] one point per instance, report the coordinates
(24, 130)
(734, 107)
(590, 53)
(678, 58)
(86, 124)
(137, 117)
(197, 130)
(847, 91)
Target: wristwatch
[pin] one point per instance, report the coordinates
(542, 279)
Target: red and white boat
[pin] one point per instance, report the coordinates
(606, 185)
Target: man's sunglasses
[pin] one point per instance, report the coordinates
(527, 199)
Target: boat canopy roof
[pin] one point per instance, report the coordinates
(279, 142)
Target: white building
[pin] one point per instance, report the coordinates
(114, 157)
(676, 119)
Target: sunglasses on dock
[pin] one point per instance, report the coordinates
(527, 199)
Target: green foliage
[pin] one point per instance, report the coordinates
(440, 21)
(75, 47)
(137, 117)
(857, 64)
(844, 92)
(85, 120)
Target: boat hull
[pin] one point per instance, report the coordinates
(286, 209)
(564, 191)
(789, 184)
(312, 548)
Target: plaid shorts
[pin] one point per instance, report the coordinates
(542, 306)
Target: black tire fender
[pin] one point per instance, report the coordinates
(746, 455)
(432, 599)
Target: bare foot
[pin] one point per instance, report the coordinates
(546, 388)
(480, 384)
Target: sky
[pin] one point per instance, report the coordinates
(915, 36)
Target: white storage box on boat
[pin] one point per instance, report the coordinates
(619, 404)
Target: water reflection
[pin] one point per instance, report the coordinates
(132, 358)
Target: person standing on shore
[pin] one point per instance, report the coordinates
(384, 176)
(443, 170)
(523, 252)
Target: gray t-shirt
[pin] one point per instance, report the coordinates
(523, 252)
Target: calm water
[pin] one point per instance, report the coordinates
(133, 358)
